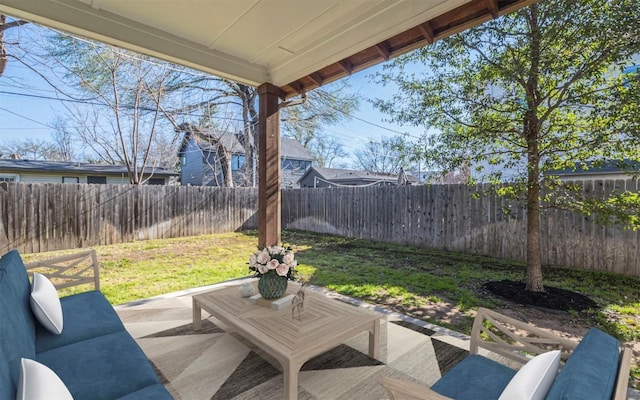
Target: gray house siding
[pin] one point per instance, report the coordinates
(200, 165)
(313, 180)
(192, 162)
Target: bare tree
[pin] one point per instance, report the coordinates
(246, 98)
(4, 25)
(326, 150)
(223, 155)
(63, 139)
(240, 103)
(124, 124)
(32, 149)
(383, 157)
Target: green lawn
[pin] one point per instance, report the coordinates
(438, 286)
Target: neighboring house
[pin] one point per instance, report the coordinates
(201, 165)
(614, 169)
(36, 171)
(317, 177)
(518, 169)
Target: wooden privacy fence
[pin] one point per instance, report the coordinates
(43, 217)
(448, 217)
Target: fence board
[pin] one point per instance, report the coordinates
(447, 217)
(44, 217)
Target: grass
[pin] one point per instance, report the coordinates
(137, 270)
(429, 284)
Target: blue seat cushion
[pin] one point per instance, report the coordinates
(17, 323)
(102, 368)
(590, 371)
(474, 378)
(154, 392)
(86, 315)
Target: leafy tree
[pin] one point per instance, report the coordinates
(381, 157)
(533, 91)
(321, 107)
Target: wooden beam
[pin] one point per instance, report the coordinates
(492, 5)
(269, 198)
(316, 78)
(427, 31)
(346, 66)
(383, 50)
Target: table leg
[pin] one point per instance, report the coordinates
(374, 339)
(197, 315)
(290, 371)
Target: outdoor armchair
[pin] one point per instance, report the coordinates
(596, 368)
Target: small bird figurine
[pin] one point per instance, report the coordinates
(297, 304)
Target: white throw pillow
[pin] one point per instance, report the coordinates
(39, 382)
(45, 303)
(534, 379)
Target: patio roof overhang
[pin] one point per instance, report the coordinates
(293, 44)
(285, 47)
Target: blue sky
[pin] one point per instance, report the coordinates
(24, 115)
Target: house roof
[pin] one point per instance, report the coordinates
(295, 45)
(607, 167)
(10, 165)
(228, 139)
(338, 175)
(289, 148)
(292, 149)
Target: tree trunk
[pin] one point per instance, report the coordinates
(534, 263)
(225, 164)
(532, 135)
(3, 50)
(249, 132)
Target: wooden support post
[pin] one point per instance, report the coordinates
(269, 212)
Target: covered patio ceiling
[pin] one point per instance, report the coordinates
(295, 45)
(285, 47)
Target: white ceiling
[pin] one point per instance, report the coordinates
(250, 41)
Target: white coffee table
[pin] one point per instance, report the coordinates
(324, 324)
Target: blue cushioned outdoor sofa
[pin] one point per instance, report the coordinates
(595, 369)
(94, 356)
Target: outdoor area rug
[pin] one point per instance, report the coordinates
(214, 363)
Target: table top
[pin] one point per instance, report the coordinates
(323, 324)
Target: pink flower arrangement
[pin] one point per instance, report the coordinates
(275, 258)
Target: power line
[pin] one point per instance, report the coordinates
(27, 118)
(169, 66)
(8, 128)
(90, 103)
(365, 121)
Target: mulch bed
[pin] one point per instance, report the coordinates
(552, 298)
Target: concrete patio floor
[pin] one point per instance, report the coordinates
(216, 363)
